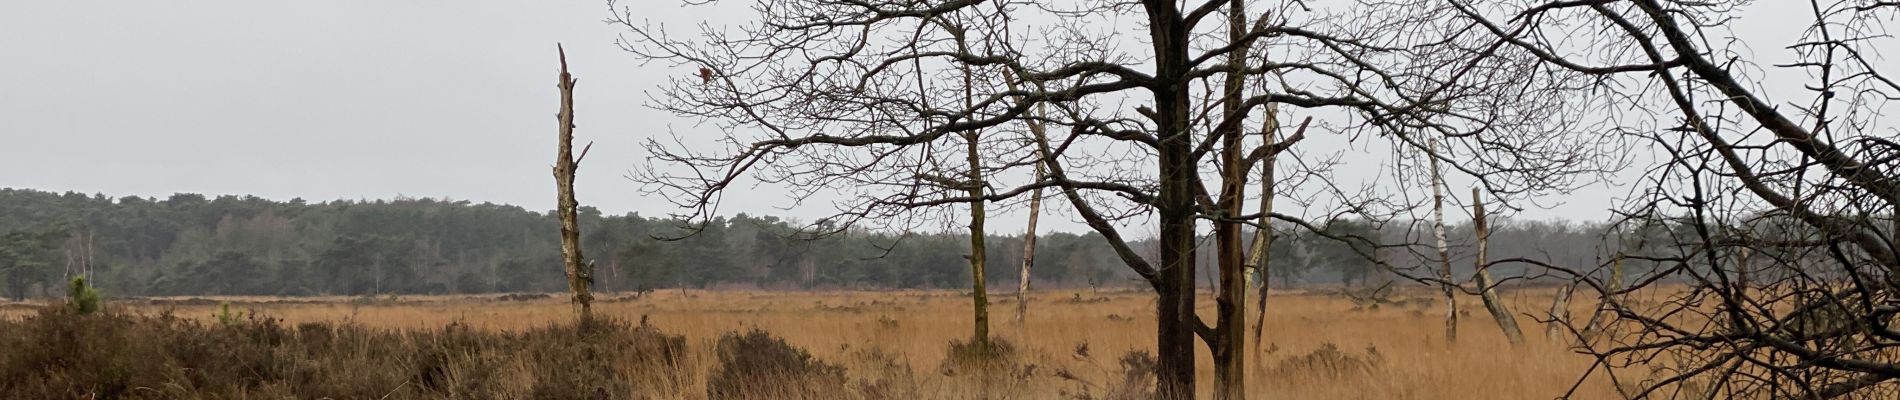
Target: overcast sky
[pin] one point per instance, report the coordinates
(344, 100)
(315, 99)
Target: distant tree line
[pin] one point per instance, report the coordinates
(190, 244)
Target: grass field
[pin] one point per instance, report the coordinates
(1396, 352)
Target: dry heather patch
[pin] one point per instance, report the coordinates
(890, 344)
(112, 355)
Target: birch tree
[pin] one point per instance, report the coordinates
(1447, 282)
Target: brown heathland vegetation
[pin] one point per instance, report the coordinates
(1076, 344)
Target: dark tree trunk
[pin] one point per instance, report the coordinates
(1175, 320)
(979, 291)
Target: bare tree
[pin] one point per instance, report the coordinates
(579, 273)
(1768, 269)
(973, 184)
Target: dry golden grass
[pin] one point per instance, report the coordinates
(916, 326)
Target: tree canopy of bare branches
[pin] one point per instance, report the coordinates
(1772, 191)
(1157, 116)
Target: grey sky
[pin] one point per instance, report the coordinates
(344, 99)
(315, 99)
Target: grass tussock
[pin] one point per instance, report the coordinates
(1329, 362)
(1136, 378)
(883, 375)
(979, 354)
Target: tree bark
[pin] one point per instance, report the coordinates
(1444, 252)
(579, 276)
(1176, 322)
(1487, 288)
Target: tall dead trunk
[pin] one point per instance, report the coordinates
(1559, 313)
(579, 276)
(1229, 344)
(1029, 250)
(1260, 258)
(1487, 288)
(1444, 251)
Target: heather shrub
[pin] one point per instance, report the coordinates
(57, 354)
(757, 365)
(583, 361)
